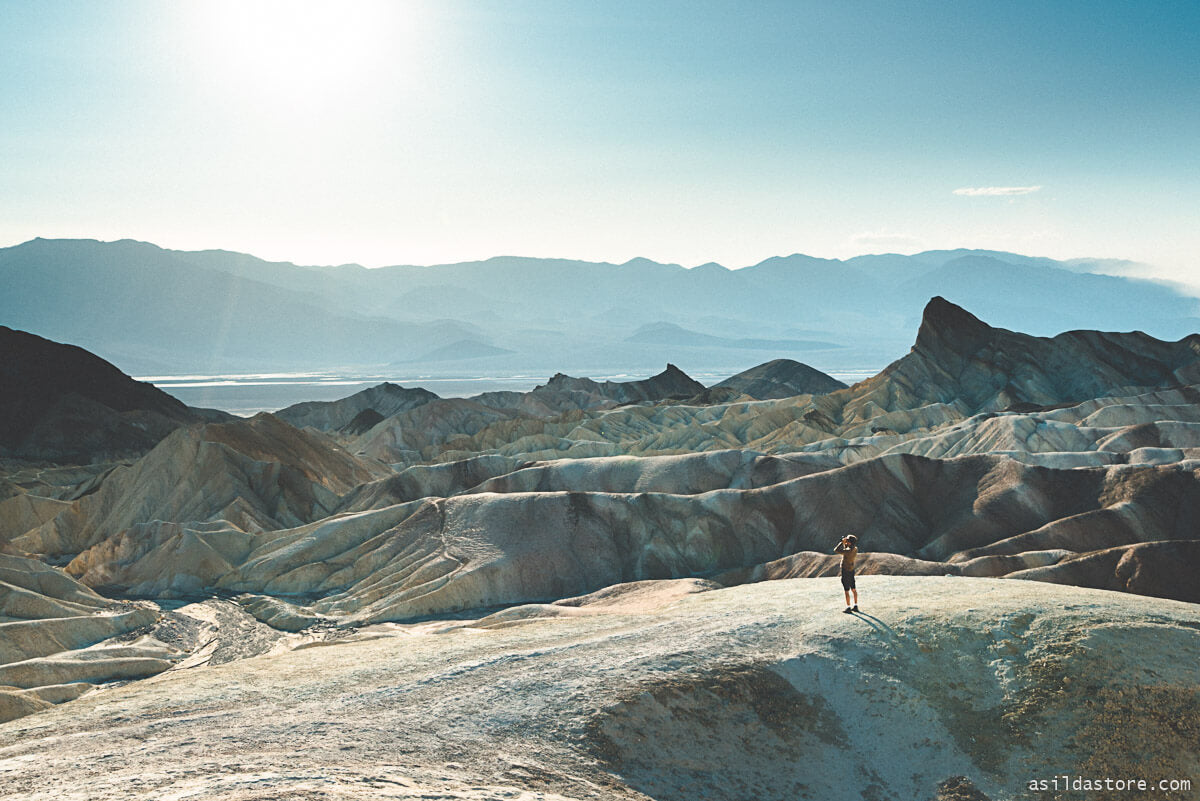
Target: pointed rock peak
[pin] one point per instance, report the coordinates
(642, 263)
(389, 388)
(939, 309)
(564, 382)
(672, 382)
(945, 323)
(673, 373)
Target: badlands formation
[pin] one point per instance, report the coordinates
(606, 590)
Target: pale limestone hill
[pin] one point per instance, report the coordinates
(428, 480)
(670, 383)
(365, 411)
(563, 393)
(517, 538)
(672, 692)
(252, 475)
(51, 634)
(1113, 428)
(1141, 428)
(420, 433)
(25, 511)
(685, 474)
(646, 431)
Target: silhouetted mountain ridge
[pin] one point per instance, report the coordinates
(60, 402)
(141, 305)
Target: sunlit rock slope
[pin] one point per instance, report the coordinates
(664, 692)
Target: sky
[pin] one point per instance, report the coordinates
(413, 132)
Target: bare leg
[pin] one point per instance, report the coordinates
(855, 591)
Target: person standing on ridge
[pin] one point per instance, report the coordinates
(848, 548)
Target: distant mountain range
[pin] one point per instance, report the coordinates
(150, 310)
(671, 334)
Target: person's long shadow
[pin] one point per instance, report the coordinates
(883, 628)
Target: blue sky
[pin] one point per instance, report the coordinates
(423, 132)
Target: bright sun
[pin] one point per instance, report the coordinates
(295, 49)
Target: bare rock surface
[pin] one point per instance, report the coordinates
(55, 638)
(253, 475)
(520, 537)
(420, 433)
(426, 481)
(442, 427)
(964, 687)
(685, 474)
(366, 410)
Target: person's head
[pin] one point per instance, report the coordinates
(850, 540)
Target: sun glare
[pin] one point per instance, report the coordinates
(296, 49)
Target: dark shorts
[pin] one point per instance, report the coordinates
(848, 581)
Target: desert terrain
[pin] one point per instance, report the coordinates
(610, 589)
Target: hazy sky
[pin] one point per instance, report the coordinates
(422, 132)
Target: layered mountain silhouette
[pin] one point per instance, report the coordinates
(165, 312)
(463, 349)
(678, 336)
(213, 311)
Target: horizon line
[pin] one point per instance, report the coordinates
(625, 263)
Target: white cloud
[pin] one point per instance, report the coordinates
(995, 191)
